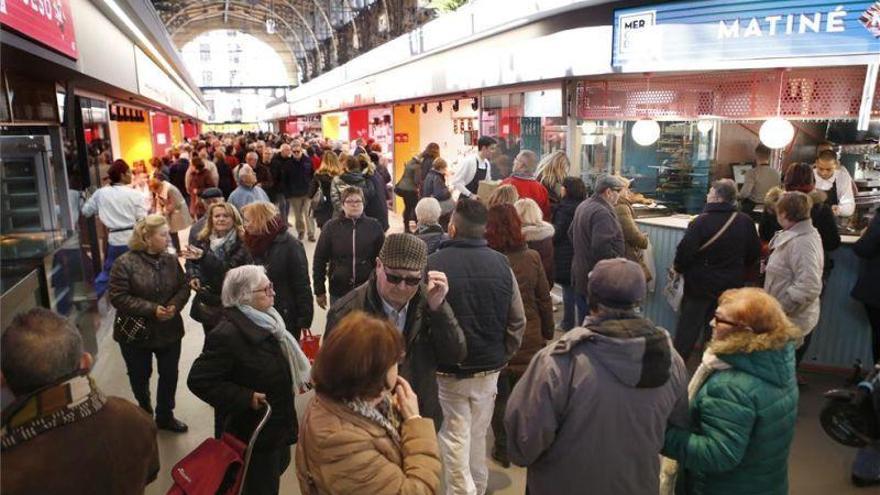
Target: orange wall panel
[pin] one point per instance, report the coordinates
(135, 142)
(406, 142)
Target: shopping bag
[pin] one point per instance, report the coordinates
(215, 466)
(310, 344)
(674, 289)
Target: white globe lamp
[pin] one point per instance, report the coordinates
(646, 132)
(704, 126)
(776, 133)
(588, 127)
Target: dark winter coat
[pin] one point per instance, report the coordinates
(563, 251)
(724, 264)
(411, 178)
(139, 283)
(350, 248)
(296, 174)
(241, 358)
(867, 288)
(325, 211)
(528, 269)
(288, 270)
(211, 269)
(225, 181)
(433, 235)
(177, 176)
(432, 337)
(540, 239)
(595, 235)
(435, 187)
(376, 205)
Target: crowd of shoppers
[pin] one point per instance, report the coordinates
(436, 335)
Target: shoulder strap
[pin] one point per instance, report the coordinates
(720, 232)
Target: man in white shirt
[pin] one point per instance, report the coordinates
(474, 168)
(119, 207)
(836, 182)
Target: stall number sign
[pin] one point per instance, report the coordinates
(46, 21)
(680, 35)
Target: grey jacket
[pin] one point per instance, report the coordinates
(595, 235)
(794, 273)
(590, 413)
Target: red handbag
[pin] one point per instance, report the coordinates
(215, 466)
(310, 344)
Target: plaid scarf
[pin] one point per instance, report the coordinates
(384, 414)
(68, 401)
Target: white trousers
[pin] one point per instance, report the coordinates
(467, 405)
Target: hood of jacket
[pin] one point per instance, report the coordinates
(538, 232)
(634, 350)
(769, 356)
(353, 178)
(783, 236)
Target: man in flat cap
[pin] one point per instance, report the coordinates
(399, 290)
(590, 413)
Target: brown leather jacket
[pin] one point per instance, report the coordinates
(140, 282)
(635, 241)
(341, 452)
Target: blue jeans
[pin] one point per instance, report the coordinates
(103, 278)
(572, 303)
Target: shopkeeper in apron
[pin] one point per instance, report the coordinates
(835, 182)
(474, 168)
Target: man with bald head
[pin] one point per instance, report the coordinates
(247, 191)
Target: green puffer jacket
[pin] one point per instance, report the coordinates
(742, 424)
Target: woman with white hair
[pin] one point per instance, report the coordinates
(251, 359)
(428, 228)
(538, 233)
(524, 180)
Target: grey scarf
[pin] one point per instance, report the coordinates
(300, 369)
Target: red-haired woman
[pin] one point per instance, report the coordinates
(362, 432)
(504, 234)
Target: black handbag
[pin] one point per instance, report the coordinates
(130, 329)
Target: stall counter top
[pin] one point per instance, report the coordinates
(681, 221)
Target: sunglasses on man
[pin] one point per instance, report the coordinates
(396, 279)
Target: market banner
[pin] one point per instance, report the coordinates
(682, 34)
(46, 21)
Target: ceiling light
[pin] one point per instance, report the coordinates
(776, 133)
(646, 132)
(424, 108)
(475, 104)
(705, 125)
(439, 107)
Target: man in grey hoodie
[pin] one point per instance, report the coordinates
(590, 413)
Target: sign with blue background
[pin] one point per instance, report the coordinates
(687, 33)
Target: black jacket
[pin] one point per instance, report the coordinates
(563, 251)
(431, 337)
(595, 235)
(225, 181)
(435, 187)
(347, 268)
(324, 212)
(482, 292)
(297, 176)
(433, 235)
(139, 282)
(288, 270)
(211, 269)
(375, 205)
(241, 358)
(724, 264)
(867, 288)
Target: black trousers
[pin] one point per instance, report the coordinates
(874, 319)
(693, 323)
(410, 200)
(264, 474)
(506, 382)
(139, 363)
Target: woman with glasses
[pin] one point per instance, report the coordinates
(347, 249)
(250, 360)
(219, 248)
(271, 245)
(743, 403)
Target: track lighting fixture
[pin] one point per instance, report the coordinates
(455, 106)
(475, 104)
(424, 108)
(439, 107)
(412, 109)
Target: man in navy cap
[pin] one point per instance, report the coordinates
(210, 196)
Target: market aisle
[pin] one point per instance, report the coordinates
(818, 466)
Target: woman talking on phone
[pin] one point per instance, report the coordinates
(362, 432)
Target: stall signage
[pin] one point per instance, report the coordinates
(683, 34)
(46, 21)
(401, 137)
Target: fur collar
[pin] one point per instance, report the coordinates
(747, 342)
(538, 232)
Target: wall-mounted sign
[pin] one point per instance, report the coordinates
(401, 137)
(46, 21)
(683, 34)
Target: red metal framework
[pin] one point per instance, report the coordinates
(808, 93)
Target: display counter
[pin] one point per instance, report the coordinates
(842, 335)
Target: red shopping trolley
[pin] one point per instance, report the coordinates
(216, 467)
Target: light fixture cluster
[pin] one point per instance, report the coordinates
(456, 105)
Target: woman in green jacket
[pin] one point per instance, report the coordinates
(743, 402)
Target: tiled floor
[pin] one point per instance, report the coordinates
(817, 465)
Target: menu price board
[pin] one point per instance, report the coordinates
(46, 21)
